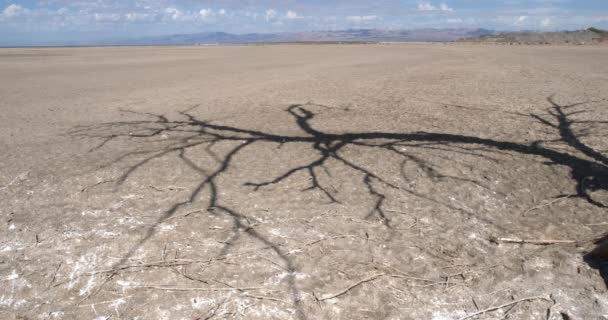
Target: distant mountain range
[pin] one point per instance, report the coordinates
(353, 35)
(579, 37)
(470, 35)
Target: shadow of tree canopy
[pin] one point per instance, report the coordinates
(588, 167)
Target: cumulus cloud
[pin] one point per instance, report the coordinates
(291, 15)
(205, 13)
(456, 20)
(444, 7)
(106, 17)
(14, 10)
(20, 19)
(138, 17)
(210, 15)
(174, 13)
(520, 20)
(179, 15)
(270, 14)
(359, 19)
(427, 6)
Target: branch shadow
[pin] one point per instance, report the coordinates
(588, 167)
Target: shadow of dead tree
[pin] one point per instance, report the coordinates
(588, 167)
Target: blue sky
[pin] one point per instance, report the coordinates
(56, 21)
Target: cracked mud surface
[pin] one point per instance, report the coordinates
(302, 182)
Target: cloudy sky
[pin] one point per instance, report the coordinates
(55, 21)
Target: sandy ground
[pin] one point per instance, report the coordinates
(302, 182)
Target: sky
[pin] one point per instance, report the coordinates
(31, 22)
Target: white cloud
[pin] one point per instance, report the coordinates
(31, 19)
(444, 7)
(14, 10)
(291, 15)
(205, 13)
(135, 16)
(106, 17)
(209, 15)
(270, 14)
(173, 13)
(359, 19)
(520, 20)
(427, 6)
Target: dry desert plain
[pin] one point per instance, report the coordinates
(303, 182)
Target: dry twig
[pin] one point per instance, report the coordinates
(193, 289)
(174, 262)
(368, 279)
(159, 264)
(265, 298)
(503, 306)
(354, 285)
(181, 215)
(531, 241)
(328, 238)
(169, 188)
(545, 204)
(55, 275)
(96, 184)
(596, 224)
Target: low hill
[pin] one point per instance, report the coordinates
(580, 37)
(352, 35)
